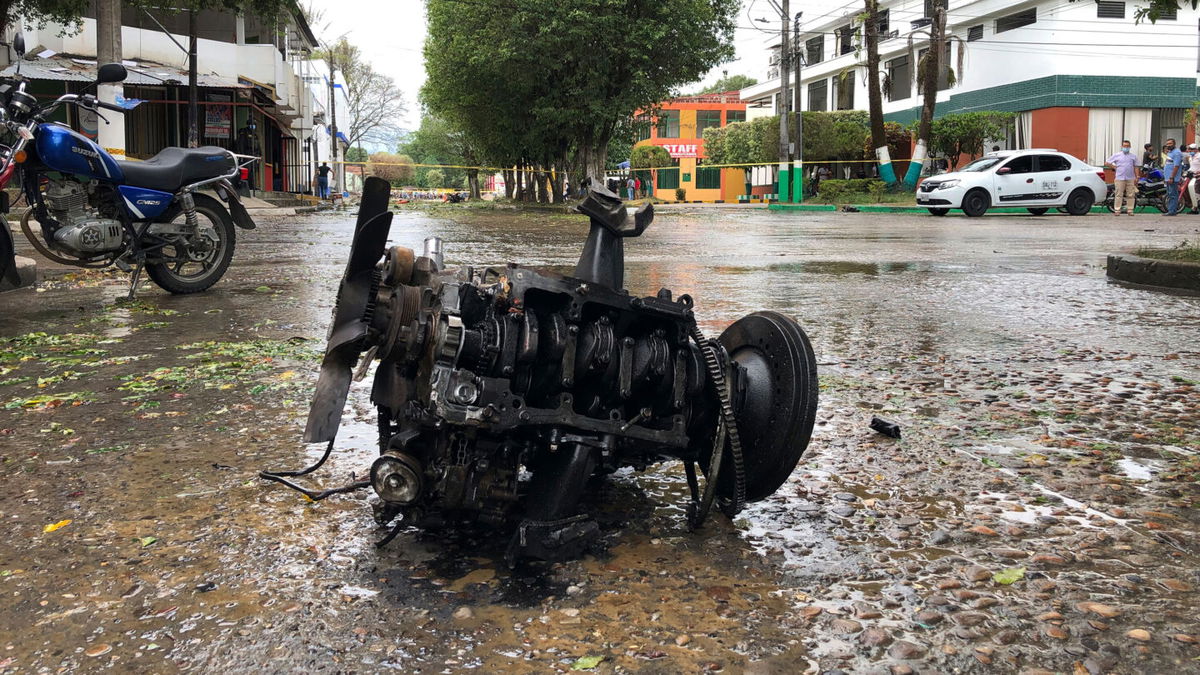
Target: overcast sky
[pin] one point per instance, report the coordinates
(391, 34)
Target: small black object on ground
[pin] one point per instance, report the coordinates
(889, 429)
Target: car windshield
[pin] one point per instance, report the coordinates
(982, 164)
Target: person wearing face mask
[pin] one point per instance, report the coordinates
(1124, 164)
(1173, 168)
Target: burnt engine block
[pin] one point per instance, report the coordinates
(500, 391)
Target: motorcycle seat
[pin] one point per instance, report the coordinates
(172, 168)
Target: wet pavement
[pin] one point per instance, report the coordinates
(1038, 515)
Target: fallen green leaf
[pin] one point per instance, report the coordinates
(1008, 576)
(263, 289)
(146, 541)
(587, 662)
(990, 462)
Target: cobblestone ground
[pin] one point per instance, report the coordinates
(1038, 514)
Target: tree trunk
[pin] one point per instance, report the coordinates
(929, 83)
(560, 180)
(473, 183)
(509, 183)
(540, 191)
(874, 96)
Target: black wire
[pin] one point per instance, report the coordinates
(396, 529)
(315, 495)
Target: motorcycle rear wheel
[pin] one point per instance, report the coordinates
(201, 269)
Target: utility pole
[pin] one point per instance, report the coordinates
(784, 103)
(111, 136)
(193, 102)
(333, 141)
(798, 161)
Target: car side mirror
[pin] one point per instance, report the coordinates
(1004, 171)
(111, 72)
(18, 44)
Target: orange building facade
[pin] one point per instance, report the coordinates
(678, 127)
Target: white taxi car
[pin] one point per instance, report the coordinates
(1039, 180)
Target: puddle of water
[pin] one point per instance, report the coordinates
(1136, 469)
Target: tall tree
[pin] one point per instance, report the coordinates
(729, 83)
(439, 142)
(879, 142)
(547, 83)
(928, 69)
(376, 104)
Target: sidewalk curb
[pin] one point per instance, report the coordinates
(26, 272)
(881, 208)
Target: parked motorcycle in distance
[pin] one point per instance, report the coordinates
(94, 211)
(1151, 191)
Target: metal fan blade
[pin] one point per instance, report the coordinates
(349, 326)
(370, 240)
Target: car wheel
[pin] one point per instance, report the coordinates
(976, 203)
(1080, 202)
(1039, 211)
(939, 212)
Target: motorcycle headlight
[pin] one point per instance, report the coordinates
(947, 184)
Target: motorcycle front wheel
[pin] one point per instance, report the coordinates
(195, 263)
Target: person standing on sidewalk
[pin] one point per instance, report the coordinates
(1149, 156)
(1124, 163)
(323, 180)
(1194, 185)
(1173, 168)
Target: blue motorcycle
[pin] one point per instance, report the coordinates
(93, 211)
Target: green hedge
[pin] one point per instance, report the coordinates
(834, 190)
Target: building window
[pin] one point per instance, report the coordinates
(816, 95)
(975, 33)
(814, 50)
(668, 124)
(732, 116)
(707, 119)
(931, 5)
(899, 79)
(641, 127)
(1169, 14)
(1013, 21)
(708, 178)
(1107, 9)
(668, 179)
(845, 39)
(843, 91)
(883, 23)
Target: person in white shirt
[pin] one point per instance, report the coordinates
(1194, 183)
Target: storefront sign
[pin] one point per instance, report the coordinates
(218, 119)
(683, 150)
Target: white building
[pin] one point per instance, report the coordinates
(253, 78)
(1082, 75)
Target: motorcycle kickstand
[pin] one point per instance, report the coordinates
(133, 281)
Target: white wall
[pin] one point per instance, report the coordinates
(1068, 39)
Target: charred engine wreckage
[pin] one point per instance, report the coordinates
(485, 372)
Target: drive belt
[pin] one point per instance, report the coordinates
(727, 432)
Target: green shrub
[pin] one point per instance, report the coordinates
(834, 190)
(680, 194)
